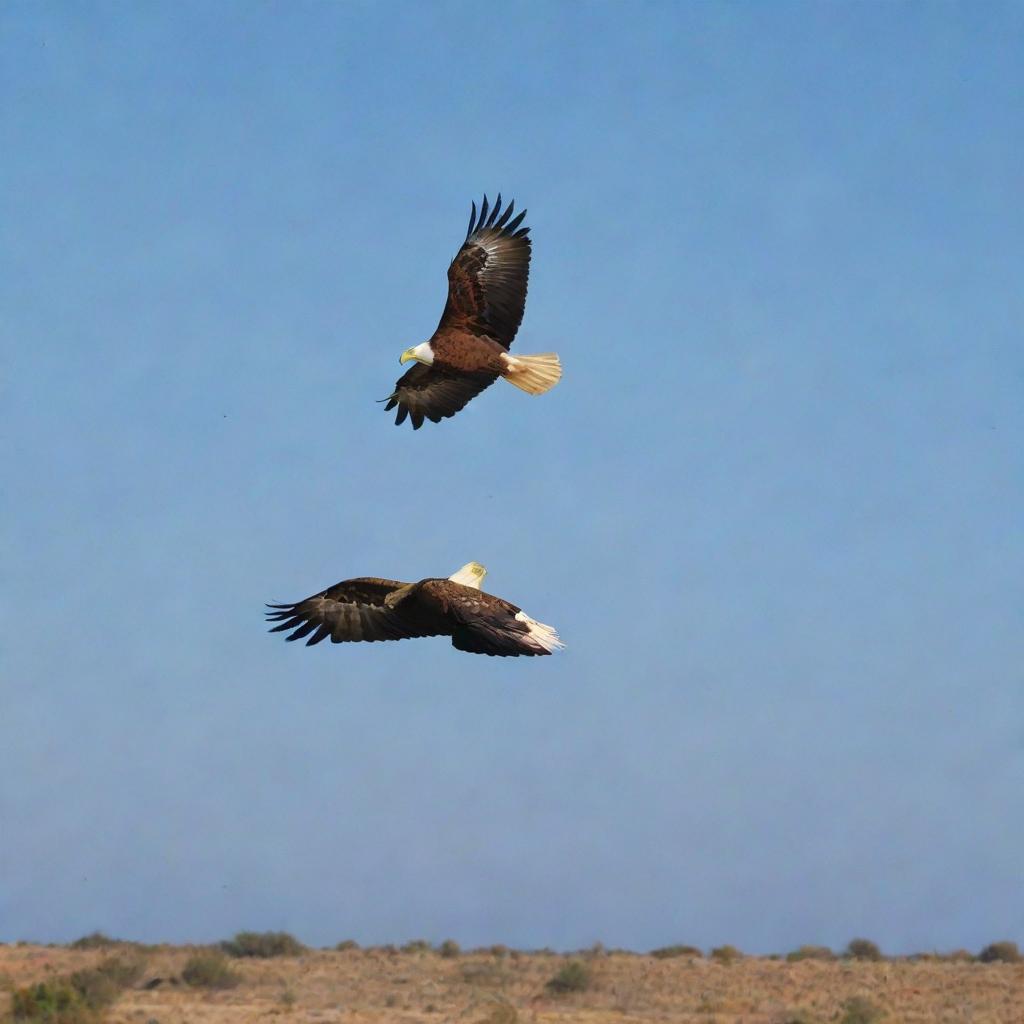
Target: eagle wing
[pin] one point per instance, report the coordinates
(350, 610)
(488, 277)
(486, 297)
(434, 393)
(485, 624)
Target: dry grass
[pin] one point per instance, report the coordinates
(374, 986)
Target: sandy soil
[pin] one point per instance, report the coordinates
(370, 986)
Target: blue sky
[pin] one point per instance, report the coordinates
(774, 508)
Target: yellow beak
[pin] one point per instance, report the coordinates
(407, 356)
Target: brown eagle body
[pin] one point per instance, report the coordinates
(470, 349)
(369, 609)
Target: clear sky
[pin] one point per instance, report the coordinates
(775, 506)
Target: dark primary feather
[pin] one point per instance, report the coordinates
(349, 611)
(434, 393)
(490, 639)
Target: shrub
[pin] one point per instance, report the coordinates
(668, 952)
(863, 949)
(810, 953)
(96, 988)
(726, 954)
(51, 1002)
(346, 944)
(859, 1010)
(123, 971)
(95, 940)
(78, 999)
(499, 949)
(1004, 952)
(100, 986)
(209, 969)
(449, 949)
(263, 945)
(573, 977)
(416, 946)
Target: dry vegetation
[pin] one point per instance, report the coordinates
(254, 978)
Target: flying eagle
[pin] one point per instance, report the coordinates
(469, 350)
(374, 609)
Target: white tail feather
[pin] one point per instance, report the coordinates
(534, 374)
(543, 635)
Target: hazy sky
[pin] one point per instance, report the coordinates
(775, 506)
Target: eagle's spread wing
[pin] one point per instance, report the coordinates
(487, 279)
(350, 610)
(485, 624)
(434, 393)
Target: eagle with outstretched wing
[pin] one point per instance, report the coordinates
(469, 350)
(371, 609)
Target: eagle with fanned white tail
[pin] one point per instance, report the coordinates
(374, 609)
(469, 350)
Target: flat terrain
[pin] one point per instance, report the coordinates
(370, 986)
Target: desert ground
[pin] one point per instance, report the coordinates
(360, 986)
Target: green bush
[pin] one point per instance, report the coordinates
(859, 1010)
(346, 944)
(573, 977)
(863, 949)
(209, 969)
(810, 953)
(668, 952)
(51, 1002)
(263, 945)
(449, 949)
(1004, 952)
(726, 954)
(78, 999)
